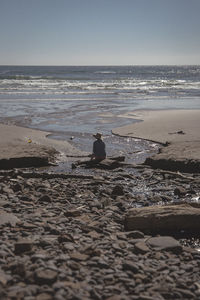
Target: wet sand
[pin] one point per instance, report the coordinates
(179, 129)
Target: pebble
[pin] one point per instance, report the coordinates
(62, 237)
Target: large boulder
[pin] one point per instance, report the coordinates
(169, 218)
(166, 243)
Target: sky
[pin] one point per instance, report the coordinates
(99, 32)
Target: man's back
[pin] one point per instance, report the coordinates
(99, 148)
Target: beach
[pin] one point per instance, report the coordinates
(25, 147)
(179, 129)
(112, 234)
(127, 229)
(163, 126)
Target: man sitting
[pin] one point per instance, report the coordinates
(99, 148)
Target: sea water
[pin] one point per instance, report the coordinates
(81, 100)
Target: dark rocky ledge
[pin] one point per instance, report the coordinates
(187, 166)
(24, 162)
(180, 156)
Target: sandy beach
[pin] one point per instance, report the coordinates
(18, 143)
(163, 126)
(178, 129)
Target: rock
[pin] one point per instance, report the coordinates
(63, 238)
(163, 218)
(89, 255)
(44, 296)
(23, 246)
(180, 156)
(109, 164)
(18, 268)
(156, 199)
(135, 234)
(117, 297)
(4, 203)
(45, 198)
(130, 266)
(180, 191)
(24, 162)
(45, 276)
(166, 243)
(6, 218)
(4, 278)
(118, 190)
(79, 256)
(141, 248)
(16, 187)
(72, 213)
(185, 293)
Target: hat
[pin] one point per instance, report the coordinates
(97, 135)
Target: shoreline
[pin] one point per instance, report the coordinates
(176, 129)
(25, 147)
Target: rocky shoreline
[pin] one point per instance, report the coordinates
(119, 232)
(65, 236)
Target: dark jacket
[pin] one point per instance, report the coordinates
(99, 149)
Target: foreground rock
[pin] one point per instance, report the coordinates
(25, 162)
(179, 156)
(62, 237)
(170, 218)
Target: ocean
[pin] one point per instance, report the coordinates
(81, 100)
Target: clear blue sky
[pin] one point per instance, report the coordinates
(99, 32)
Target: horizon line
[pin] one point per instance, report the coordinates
(94, 65)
